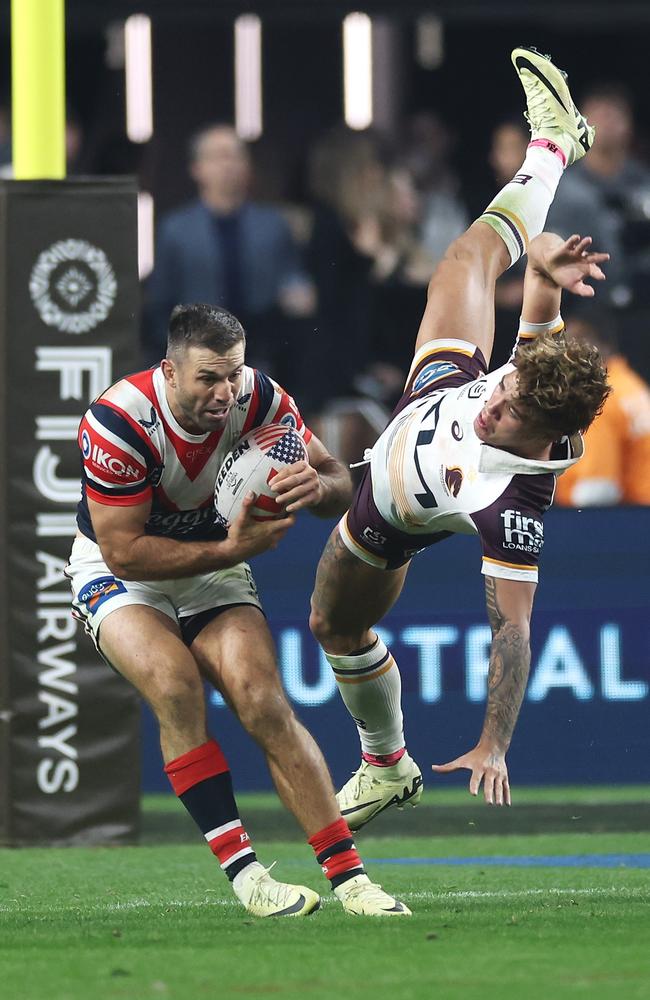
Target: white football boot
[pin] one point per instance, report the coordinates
(264, 897)
(551, 112)
(363, 898)
(373, 789)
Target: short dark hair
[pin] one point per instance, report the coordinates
(202, 325)
(562, 385)
(601, 322)
(197, 137)
(613, 92)
(514, 121)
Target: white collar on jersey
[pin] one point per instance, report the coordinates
(159, 386)
(495, 460)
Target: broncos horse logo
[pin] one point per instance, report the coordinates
(454, 480)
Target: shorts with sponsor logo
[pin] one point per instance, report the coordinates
(96, 592)
(373, 540)
(441, 364)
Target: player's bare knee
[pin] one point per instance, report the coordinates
(264, 711)
(173, 697)
(335, 637)
(324, 628)
(319, 623)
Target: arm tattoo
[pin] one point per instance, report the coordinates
(507, 675)
(494, 615)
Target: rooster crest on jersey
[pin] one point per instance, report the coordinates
(251, 466)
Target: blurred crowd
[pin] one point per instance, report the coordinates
(331, 289)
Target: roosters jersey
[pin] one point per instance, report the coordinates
(431, 474)
(134, 450)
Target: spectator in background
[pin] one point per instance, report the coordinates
(577, 208)
(400, 275)
(74, 143)
(621, 181)
(427, 146)
(227, 250)
(347, 178)
(370, 266)
(5, 135)
(615, 468)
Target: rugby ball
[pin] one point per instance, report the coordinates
(252, 465)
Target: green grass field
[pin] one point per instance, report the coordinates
(159, 920)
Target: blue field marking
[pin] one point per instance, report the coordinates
(531, 861)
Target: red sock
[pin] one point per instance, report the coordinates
(202, 781)
(336, 853)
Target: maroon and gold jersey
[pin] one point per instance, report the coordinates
(431, 476)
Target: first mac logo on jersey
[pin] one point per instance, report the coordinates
(523, 533)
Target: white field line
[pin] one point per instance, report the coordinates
(622, 891)
(19, 905)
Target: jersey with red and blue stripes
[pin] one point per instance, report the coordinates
(134, 450)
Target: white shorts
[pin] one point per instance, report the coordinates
(96, 592)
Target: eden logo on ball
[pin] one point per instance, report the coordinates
(251, 467)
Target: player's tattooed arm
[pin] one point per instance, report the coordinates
(508, 671)
(509, 605)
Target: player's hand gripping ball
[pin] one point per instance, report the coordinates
(251, 466)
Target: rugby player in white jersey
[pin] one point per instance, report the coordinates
(471, 452)
(168, 597)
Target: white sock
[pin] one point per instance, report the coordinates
(519, 211)
(238, 882)
(371, 688)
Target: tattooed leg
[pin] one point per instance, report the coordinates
(349, 598)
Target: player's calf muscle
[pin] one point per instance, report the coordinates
(479, 251)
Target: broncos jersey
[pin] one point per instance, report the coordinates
(134, 450)
(431, 473)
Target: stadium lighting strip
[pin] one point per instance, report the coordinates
(137, 60)
(429, 41)
(248, 77)
(145, 234)
(357, 70)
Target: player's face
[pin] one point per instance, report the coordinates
(500, 423)
(204, 386)
(221, 165)
(508, 151)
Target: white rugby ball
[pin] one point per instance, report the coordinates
(251, 466)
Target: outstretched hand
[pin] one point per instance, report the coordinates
(487, 766)
(568, 264)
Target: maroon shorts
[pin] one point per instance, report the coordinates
(365, 532)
